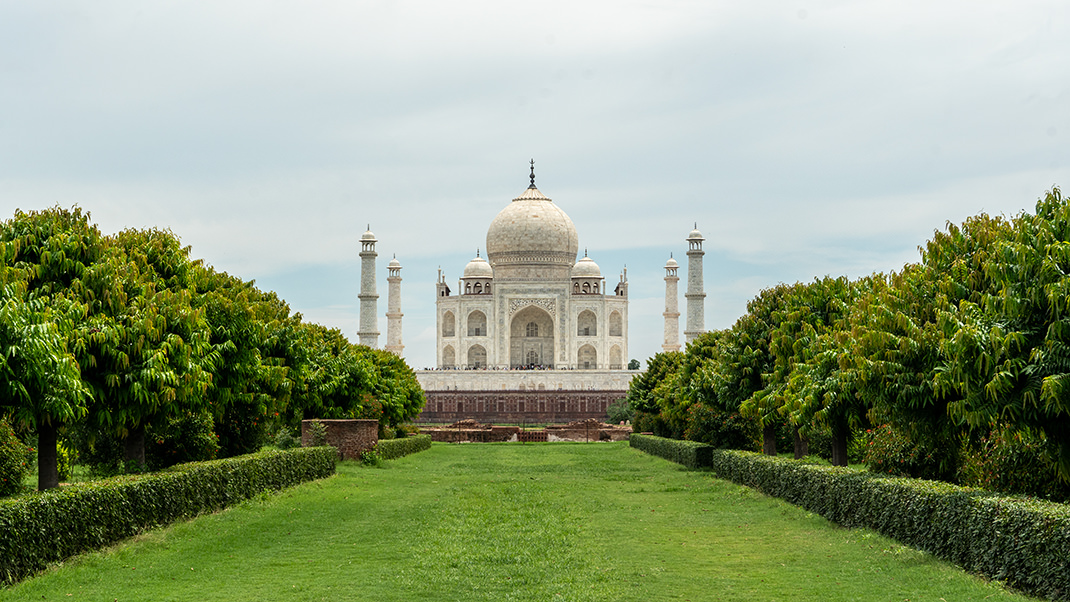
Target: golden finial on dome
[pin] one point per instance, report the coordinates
(532, 174)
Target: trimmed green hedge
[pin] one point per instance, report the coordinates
(60, 523)
(688, 453)
(390, 449)
(1023, 542)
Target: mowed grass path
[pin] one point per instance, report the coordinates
(498, 522)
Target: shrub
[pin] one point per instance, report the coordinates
(648, 422)
(396, 448)
(65, 457)
(889, 452)
(370, 457)
(406, 430)
(182, 439)
(619, 411)
(242, 428)
(317, 434)
(60, 523)
(723, 430)
(385, 432)
(1016, 463)
(284, 439)
(1022, 542)
(15, 460)
(689, 453)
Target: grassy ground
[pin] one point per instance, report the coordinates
(511, 522)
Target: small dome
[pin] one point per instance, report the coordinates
(586, 268)
(478, 268)
(368, 235)
(671, 263)
(394, 263)
(695, 234)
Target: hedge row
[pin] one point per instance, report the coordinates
(51, 526)
(1023, 542)
(689, 453)
(395, 448)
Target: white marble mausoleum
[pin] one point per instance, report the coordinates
(530, 304)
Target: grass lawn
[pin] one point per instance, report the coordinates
(552, 522)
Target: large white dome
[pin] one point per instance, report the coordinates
(532, 238)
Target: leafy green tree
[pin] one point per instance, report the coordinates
(822, 387)
(45, 256)
(143, 360)
(394, 386)
(751, 360)
(647, 388)
(1007, 355)
(251, 383)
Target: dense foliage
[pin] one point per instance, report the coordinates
(971, 344)
(48, 528)
(142, 356)
(397, 448)
(14, 460)
(689, 453)
(1019, 541)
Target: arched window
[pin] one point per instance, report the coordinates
(587, 324)
(468, 288)
(586, 287)
(533, 358)
(576, 287)
(449, 357)
(587, 358)
(531, 330)
(477, 324)
(477, 357)
(615, 325)
(448, 324)
(478, 288)
(595, 289)
(616, 360)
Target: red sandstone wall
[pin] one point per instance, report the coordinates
(517, 406)
(350, 437)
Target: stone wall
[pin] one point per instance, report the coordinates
(489, 434)
(521, 407)
(350, 437)
(525, 380)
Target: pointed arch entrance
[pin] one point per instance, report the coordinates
(531, 335)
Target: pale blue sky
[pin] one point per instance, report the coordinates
(805, 138)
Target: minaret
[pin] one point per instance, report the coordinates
(672, 307)
(369, 327)
(696, 299)
(393, 308)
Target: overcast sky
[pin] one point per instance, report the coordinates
(804, 138)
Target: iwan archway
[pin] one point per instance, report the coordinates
(531, 338)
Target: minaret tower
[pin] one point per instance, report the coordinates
(672, 307)
(393, 308)
(369, 326)
(696, 298)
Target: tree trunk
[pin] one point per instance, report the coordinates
(802, 444)
(769, 440)
(135, 446)
(839, 447)
(47, 461)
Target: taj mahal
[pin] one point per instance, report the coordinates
(530, 332)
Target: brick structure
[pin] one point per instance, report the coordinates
(517, 406)
(350, 437)
(476, 433)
